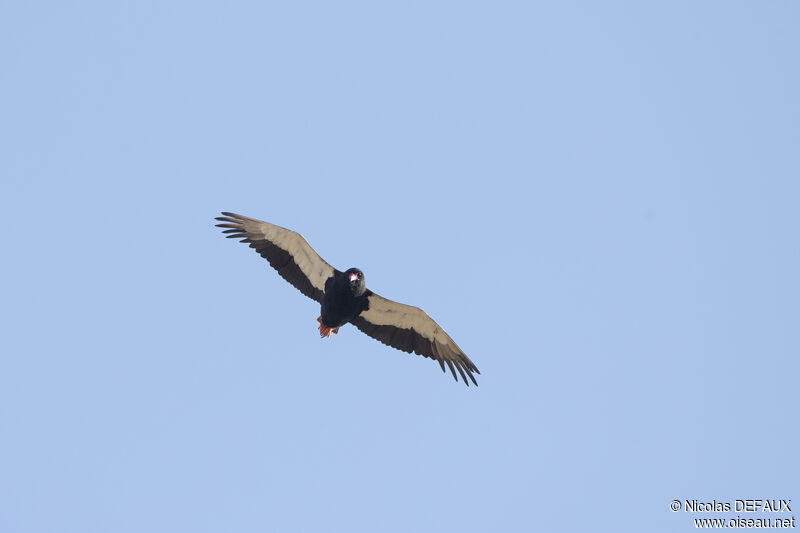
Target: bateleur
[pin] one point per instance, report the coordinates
(344, 296)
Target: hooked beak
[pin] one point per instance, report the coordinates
(353, 276)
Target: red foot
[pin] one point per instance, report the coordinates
(325, 331)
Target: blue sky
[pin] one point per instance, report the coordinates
(598, 201)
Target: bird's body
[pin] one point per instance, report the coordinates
(344, 297)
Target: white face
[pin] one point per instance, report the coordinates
(353, 276)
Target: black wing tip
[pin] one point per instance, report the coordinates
(229, 217)
(234, 227)
(469, 371)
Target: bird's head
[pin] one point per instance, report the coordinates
(355, 279)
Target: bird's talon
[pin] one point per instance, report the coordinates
(325, 331)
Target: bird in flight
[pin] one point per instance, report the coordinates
(344, 296)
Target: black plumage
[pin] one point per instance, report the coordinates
(344, 297)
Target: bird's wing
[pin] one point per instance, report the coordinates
(410, 329)
(287, 251)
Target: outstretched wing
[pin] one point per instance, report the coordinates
(410, 329)
(287, 251)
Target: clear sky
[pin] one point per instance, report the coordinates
(597, 200)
